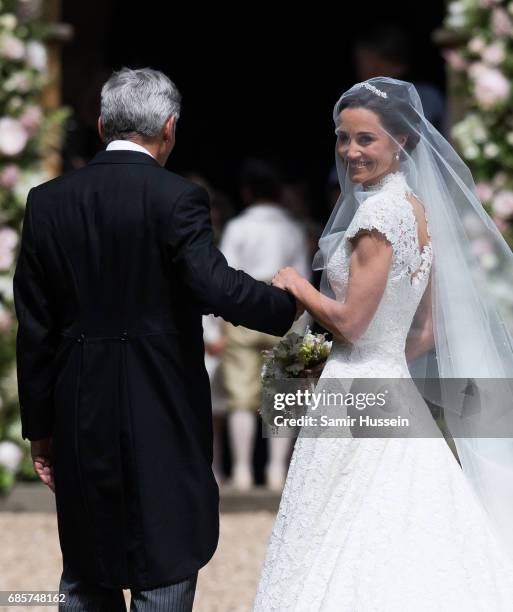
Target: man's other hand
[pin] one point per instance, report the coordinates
(42, 458)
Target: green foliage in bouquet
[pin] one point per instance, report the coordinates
(483, 68)
(28, 133)
(295, 353)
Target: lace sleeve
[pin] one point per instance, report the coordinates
(381, 214)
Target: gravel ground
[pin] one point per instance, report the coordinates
(30, 559)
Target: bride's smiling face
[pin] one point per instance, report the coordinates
(365, 147)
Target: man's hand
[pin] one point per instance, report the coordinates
(42, 458)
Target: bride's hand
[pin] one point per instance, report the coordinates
(287, 279)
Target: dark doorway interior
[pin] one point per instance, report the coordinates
(257, 79)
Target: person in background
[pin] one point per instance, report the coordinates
(221, 210)
(297, 201)
(215, 341)
(386, 50)
(260, 240)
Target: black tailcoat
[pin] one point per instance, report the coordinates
(116, 267)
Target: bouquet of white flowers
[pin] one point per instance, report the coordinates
(295, 355)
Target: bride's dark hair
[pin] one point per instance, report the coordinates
(395, 111)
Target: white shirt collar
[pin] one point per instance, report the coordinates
(264, 208)
(127, 145)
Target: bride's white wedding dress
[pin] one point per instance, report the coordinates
(375, 524)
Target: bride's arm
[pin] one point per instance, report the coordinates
(369, 267)
(421, 338)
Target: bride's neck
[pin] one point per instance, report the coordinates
(395, 167)
(378, 181)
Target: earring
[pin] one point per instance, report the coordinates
(397, 156)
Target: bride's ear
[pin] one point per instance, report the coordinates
(402, 140)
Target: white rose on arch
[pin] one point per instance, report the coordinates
(11, 48)
(31, 119)
(476, 44)
(491, 150)
(19, 82)
(10, 455)
(6, 287)
(37, 56)
(9, 175)
(491, 87)
(501, 23)
(494, 54)
(502, 204)
(13, 136)
(8, 21)
(27, 180)
(8, 242)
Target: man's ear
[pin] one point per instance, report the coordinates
(169, 127)
(101, 131)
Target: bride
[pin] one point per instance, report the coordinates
(388, 524)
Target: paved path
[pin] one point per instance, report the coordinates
(30, 559)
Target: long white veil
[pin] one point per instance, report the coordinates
(469, 370)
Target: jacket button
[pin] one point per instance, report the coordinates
(80, 339)
(124, 336)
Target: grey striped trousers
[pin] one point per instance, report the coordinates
(84, 597)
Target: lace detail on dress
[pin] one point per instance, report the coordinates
(390, 212)
(381, 348)
(425, 265)
(381, 525)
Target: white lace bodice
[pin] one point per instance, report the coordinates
(389, 211)
(381, 524)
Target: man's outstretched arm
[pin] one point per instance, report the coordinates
(221, 290)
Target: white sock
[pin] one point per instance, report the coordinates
(278, 453)
(217, 447)
(242, 430)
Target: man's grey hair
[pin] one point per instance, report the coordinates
(137, 102)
